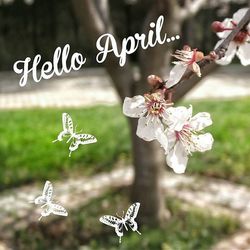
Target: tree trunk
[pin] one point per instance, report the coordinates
(148, 157)
(148, 161)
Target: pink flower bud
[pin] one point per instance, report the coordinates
(217, 26)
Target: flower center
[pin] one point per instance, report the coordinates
(155, 107)
(241, 37)
(193, 59)
(184, 136)
(155, 104)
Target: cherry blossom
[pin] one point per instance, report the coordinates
(240, 44)
(150, 109)
(184, 135)
(187, 59)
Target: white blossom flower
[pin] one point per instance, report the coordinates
(187, 60)
(184, 136)
(150, 109)
(175, 75)
(241, 43)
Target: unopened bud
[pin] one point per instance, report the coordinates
(199, 56)
(217, 26)
(186, 48)
(154, 80)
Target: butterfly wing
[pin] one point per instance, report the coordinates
(46, 195)
(119, 231)
(74, 145)
(81, 139)
(48, 191)
(85, 139)
(40, 200)
(113, 222)
(46, 211)
(67, 123)
(68, 128)
(131, 215)
(132, 224)
(132, 211)
(61, 135)
(58, 210)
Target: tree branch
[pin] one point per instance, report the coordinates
(93, 22)
(154, 59)
(181, 90)
(103, 11)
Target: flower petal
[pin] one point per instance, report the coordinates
(200, 121)
(243, 53)
(229, 55)
(171, 135)
(135, 106)
(146, 128)
(178, 117)
(228, 24)
(177, 158)
(202, 142)
(162, 139)
(196, 69)
(238, 15)
(176, 74)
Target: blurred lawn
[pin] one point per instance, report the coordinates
(27, 152)
(230, 156)
(188, 229)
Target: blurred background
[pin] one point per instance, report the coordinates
(207, 208)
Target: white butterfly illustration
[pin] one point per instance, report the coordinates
(68, 131)
(127, 221)
(46, 201)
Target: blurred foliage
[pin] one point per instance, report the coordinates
(188, 229)
(28, 154)
(28, 30)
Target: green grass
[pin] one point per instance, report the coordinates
(28, 154)
(186, 230)
(230, 156)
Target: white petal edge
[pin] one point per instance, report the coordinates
(229, 55)
(134, 107)
(162, 139)
(203, 142)
(196, 69)
(200, 121)
(175, 75)
(177, 159)
(146, 129)
(243, 53)
(178, 117)
(239, 14)
(172, 139)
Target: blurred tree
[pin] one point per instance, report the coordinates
(148, 158)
